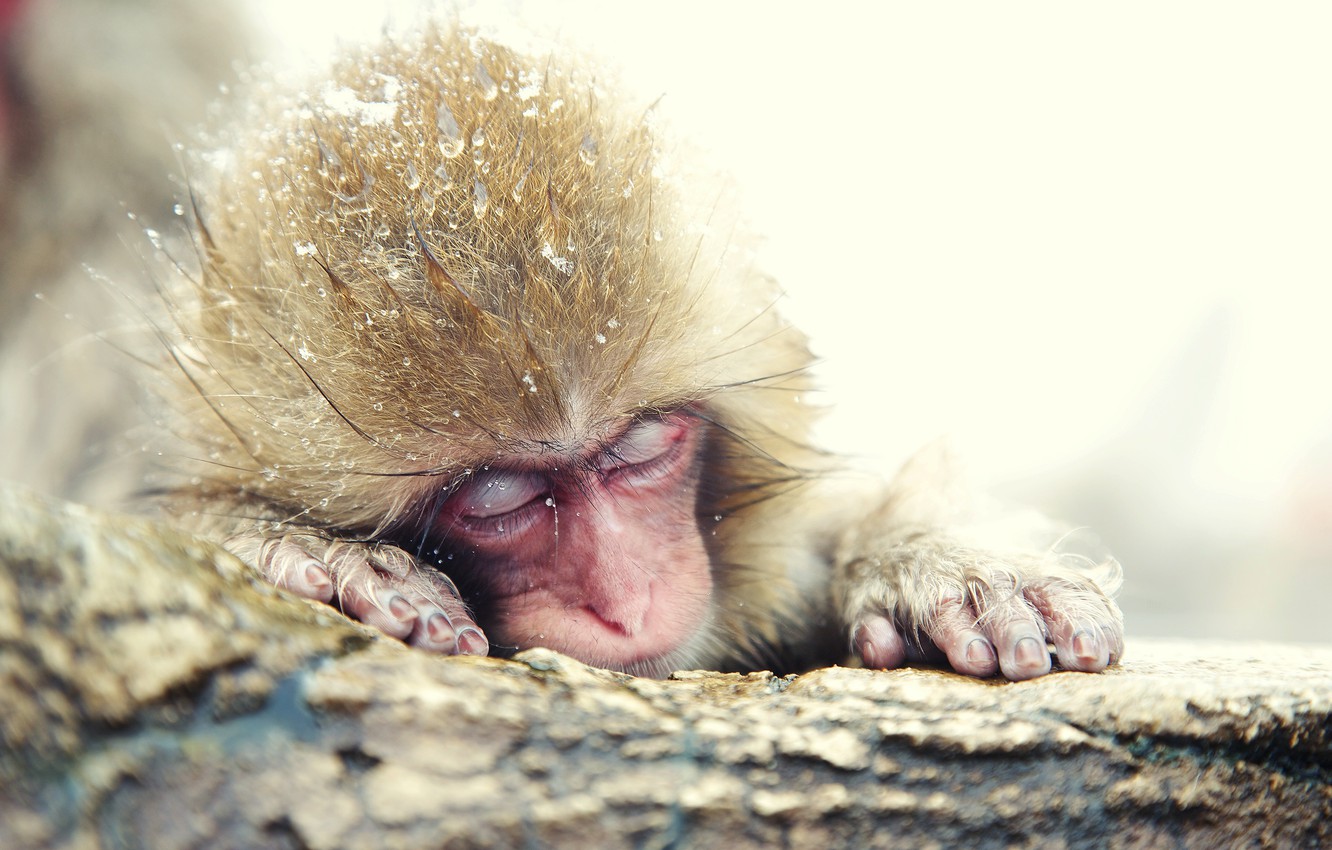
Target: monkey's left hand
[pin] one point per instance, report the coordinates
(928, 595)
(378, 584)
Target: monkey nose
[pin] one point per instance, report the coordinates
(624, 612)
(625, 616)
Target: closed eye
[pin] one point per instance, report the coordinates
(647, 450)
(498, 503)
(494, 493)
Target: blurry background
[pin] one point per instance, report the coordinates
(1088, 243)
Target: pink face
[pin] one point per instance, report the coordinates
(597, 555)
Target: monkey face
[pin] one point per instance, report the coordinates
(595, 552)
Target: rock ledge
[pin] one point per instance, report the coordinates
(153, 695)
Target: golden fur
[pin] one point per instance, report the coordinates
(455, 253)
(450, 255)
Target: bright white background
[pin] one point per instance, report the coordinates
(1089, 242)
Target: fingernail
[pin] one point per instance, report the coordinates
(472, 642)
(401, 609)
(1085, 647)
(1029, 652)
(865, 648)
(440, 629)
(979, 651)
(860, 640)
(316, 577)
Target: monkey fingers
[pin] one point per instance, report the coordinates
(953, 629)
(285, 562)
(1013, 628)
(1085, 628)
(384, 588)
(987, 615)
(879, 643)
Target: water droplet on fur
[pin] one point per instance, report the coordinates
(612, 323)
(406, 361)
(443, 174)
(562, 264)
(329, 160)
(450, 136)
(479, 138)
(178, 209)
(550, 503)
(601, 339)
(489, 89)
(522, 181)
(587, 151)
(480, 199)
(457, 413)
(427, 208)
(412, 178)
(378, 406)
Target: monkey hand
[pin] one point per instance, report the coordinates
(375, 583)
(986, 613)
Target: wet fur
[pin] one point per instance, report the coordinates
(340, 276)
(371, 316)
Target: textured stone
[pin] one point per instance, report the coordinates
(152, 694)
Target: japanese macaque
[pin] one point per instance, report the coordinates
(465, 357)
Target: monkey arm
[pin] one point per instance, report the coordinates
(932, 570)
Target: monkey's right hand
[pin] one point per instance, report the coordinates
(378, 584)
